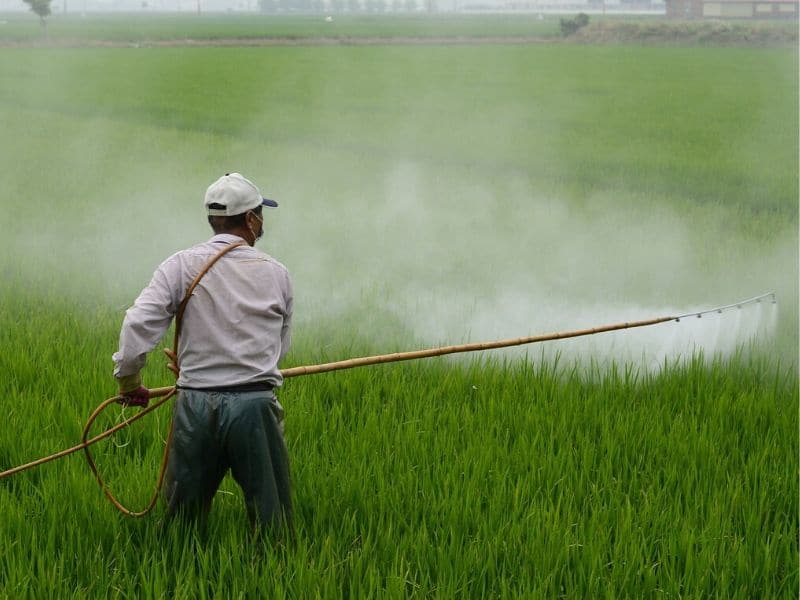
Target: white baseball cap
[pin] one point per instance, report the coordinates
(236, 193)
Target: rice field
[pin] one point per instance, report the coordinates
(429, 195)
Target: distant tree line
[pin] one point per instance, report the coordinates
(342, 6)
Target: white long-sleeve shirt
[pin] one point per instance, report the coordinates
(236, 326)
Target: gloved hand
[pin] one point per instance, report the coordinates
(138, 397)
(132, 391)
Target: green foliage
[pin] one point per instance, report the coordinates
(699, 32)
(570, 26)
(39, 7)
(482, 479)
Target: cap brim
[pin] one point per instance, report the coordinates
(268, 202)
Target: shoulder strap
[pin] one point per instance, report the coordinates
(190, 290)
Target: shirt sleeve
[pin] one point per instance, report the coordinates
(148, 319)
(286, 329)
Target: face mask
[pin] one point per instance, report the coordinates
(258, 236)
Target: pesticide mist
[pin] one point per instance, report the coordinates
(449, 265)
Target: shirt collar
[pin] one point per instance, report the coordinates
(227, 238)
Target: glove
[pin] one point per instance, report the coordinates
(138, 397)
(132, 392)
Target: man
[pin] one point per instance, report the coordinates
(234, 330)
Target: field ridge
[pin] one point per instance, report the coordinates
(98, 33)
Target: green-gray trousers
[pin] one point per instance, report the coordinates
(240, 431)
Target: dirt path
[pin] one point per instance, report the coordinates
(280, 41)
